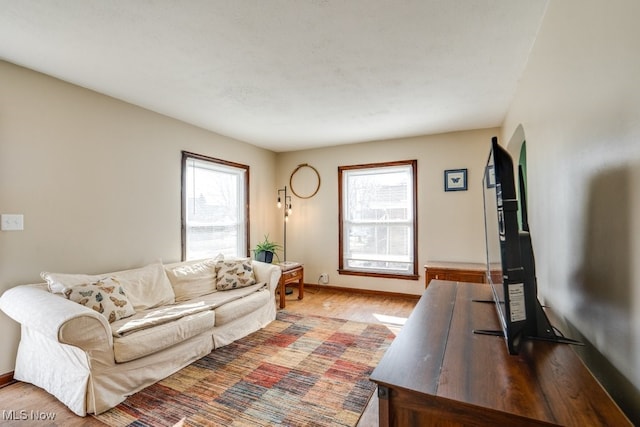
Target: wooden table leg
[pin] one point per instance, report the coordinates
(383, 406)
(282, 290)
(301, 288)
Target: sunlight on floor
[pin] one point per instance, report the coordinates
(394, 323)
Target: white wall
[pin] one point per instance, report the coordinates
(98, 182)
(579, 105)
(450, 224)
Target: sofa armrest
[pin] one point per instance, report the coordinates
(269, 273)
(57, 318)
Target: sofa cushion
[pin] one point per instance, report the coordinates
(157, 316)
(234, 274)
(146, 287)
(240, 307)
(106, 296)
(152, 340)
(193, 278)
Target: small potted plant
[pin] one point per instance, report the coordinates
(265, 250)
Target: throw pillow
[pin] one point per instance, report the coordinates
(235, 274)
(59, 283)
(147, 287)
(106, 296)
(192, 279)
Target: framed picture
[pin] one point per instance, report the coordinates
(490, 177)
(455, 180)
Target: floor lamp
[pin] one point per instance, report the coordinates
(286, 213)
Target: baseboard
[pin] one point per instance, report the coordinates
(6, 379)
(362, 291)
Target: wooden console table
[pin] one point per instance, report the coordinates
(455, 271)
(292, 275)
(438, 372)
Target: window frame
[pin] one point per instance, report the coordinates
(186, 155)
(341, 267)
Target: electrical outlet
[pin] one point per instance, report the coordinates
(12, 222)
(324, 278)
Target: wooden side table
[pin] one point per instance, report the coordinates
(292, 275)
(455, 272)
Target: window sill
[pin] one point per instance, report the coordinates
(379, 275)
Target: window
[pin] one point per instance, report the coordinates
(377, 219)
(215, 207)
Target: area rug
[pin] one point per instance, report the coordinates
(298, 371)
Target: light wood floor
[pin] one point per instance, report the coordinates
(388, 310)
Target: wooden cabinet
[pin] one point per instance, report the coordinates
(438, 372)
(454, 271)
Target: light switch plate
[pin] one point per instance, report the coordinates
(12, 222)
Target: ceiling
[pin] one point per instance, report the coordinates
(287, 74)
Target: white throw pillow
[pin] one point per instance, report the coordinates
(146, 287)
(59, 283)
(106, 296)
(192, 279)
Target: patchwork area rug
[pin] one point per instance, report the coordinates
(298, 371)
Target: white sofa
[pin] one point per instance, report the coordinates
(181, 314)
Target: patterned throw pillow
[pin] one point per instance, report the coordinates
(234, 274)
(106, 296)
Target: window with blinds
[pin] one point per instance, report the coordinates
(215, 207)
(378, 219)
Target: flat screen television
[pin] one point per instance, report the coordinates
(509, 254)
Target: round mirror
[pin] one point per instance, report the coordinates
(304, 181)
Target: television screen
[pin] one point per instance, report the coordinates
(504, 266)
(509, 257)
